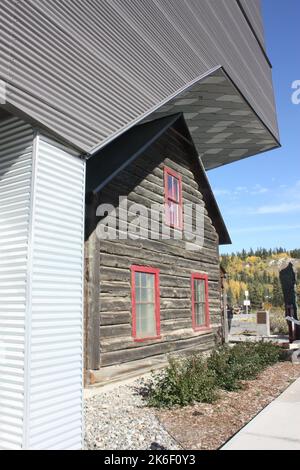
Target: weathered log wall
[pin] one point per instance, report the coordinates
(142, 182)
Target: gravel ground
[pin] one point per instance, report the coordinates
(118, 420)
(208, 427)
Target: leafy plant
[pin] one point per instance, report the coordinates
(195, 379)
(242, 362)
(278, 323)
(268, 353)
(182, 383)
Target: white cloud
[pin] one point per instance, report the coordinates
(239, 190)
(258, 189)
(265, 228)
(284, 208)
(222, 192)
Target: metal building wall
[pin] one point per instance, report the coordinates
(42, 195)
(16, 139)
(56, 383)
(253, 10)
(88, 69)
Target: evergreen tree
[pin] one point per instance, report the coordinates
(295, 254)
(256, 293)
(277, 294)
(229, 297)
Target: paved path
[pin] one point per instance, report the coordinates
(277, 427)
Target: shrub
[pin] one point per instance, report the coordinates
(197, 380)
(242, 362)
(268, 353)
(231, 365)
(278, 324)
(182, 383)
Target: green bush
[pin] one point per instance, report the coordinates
(278, 323)
(269, 353)
(182, 383)
(231, 365)
(242, 362)
(197, 380)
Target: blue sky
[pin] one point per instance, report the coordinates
(260, 197)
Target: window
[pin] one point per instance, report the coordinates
(145, 303)
(173, 199)
(200, 309)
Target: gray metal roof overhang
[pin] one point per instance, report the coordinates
(223, 125)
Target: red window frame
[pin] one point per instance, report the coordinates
(156, 272)
(168, 197)
(206, 326)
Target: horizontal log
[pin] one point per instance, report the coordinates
(108, 304)
(115, 331)
(127, 342)
(169, 267)
(170, 248)
(200, 343)
(115, 318)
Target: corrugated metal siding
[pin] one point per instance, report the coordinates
(253, 10)
(55, 409)
(16, 139)
(42, 192)
(88, 69)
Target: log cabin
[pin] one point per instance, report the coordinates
(150, 296)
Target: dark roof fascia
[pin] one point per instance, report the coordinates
(117, 155)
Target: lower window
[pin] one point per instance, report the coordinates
(200, 308)
(145, 303)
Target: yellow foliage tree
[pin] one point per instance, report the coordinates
(237, 289)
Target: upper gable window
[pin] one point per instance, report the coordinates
(173, 198)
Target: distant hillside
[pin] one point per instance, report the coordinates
(258, 272)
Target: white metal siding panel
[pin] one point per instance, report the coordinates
(88, 69)
(42, 193)
(55, 410)
(16, 139)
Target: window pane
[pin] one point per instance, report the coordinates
(196, 290)
(137, 279)
(144, 279)
(171, 212)
(147, 295)
(170, 186)
(200, 314)
(176, 215)
(202, 291)
(199, 287)
(138, 320)
(150, 324)
(143, 295)
(145, 321)
(150, 281)
(176, 189)
(138, 294)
